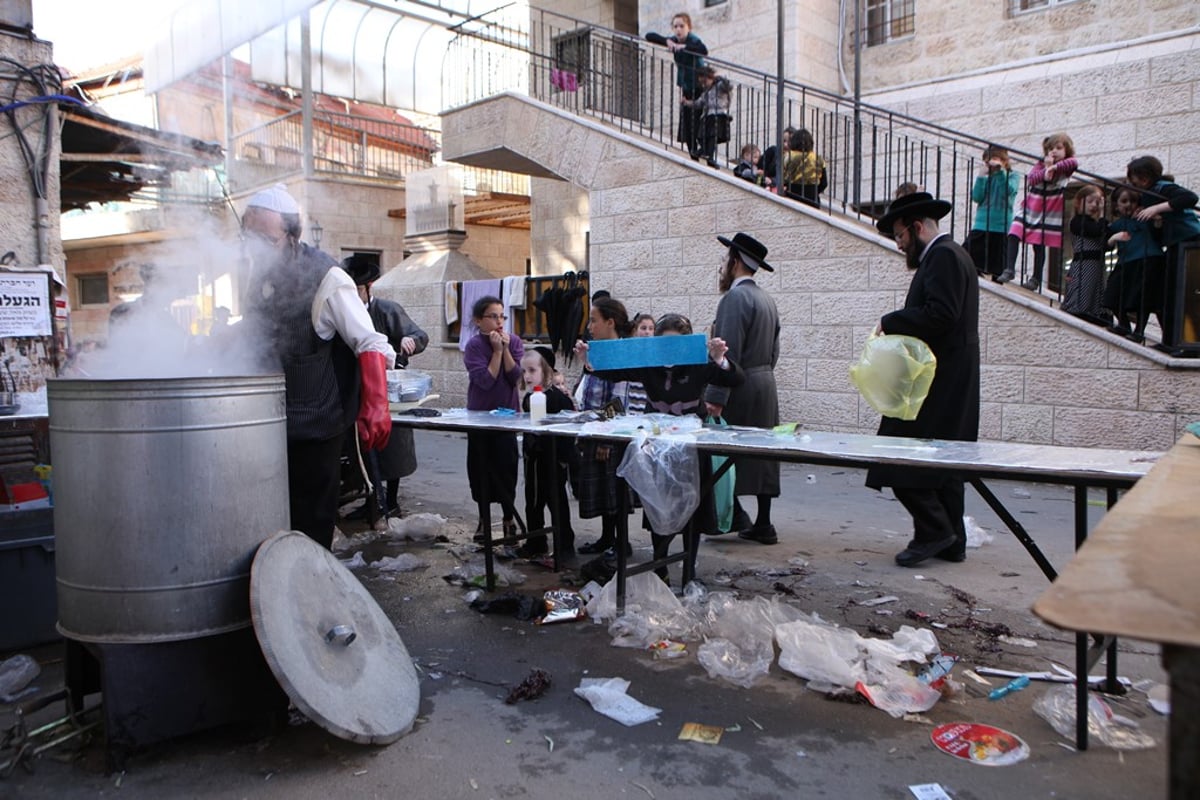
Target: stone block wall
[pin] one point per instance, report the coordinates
(17, 221)
(1047, 378)
(743, 32)
(1117, 102)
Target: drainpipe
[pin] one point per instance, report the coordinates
(227, 95)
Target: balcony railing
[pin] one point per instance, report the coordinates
(629, 84)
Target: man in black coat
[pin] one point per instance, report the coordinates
(399, 458)
(748, 320)
(941, 309)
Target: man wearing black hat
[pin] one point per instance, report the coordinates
(941, 309)
(399, 458)
(748, 321)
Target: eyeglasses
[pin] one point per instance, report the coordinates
(906, 229)
(497, 317)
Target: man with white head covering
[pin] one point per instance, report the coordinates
(748, 321)
(307, 313)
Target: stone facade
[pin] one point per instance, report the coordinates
(17, 222)
(1047, 378)
(958, 37)
(744, 33)
(1117, 102)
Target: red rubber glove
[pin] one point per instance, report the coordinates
(374, 417)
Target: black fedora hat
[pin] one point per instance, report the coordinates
(918, 205)
(362, 270)
(752, 251)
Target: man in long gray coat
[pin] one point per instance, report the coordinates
(748, 321)
(942, 310)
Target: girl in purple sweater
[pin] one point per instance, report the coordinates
(493, 361)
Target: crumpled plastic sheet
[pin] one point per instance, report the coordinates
(405, 562)
(828, 656)
(422, 527)
(609, 697)
(741, 637)
(652, 612)
(977, 536)
(1057, 706)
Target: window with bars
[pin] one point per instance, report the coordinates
(889, 19)
(1021, 6)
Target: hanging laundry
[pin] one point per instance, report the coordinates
(451, 302)
(471, 292)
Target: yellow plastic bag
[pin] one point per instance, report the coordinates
(893, 374)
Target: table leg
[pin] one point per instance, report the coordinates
(485, 522)
(1183, 665)
(622, 531)
(1016, 527)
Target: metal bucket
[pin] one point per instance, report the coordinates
(163, 490)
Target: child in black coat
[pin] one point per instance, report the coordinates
(680, 391)
(537, 369)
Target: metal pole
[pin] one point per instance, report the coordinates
(306, 99)
(779, 97)
(227, 96)
(857, 105)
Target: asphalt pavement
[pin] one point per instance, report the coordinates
(778, 738)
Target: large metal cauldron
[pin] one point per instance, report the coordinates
(163, 490)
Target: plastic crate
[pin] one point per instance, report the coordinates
(28, 596)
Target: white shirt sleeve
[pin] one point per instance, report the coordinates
(337, 309)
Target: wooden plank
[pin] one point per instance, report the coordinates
(1136, 575)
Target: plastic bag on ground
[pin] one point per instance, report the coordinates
(652, 612)
(977, 536)
(16, 673)
(829, 657)
(1057, 706)
(741, 643)
(608, 696)
(665, 473)
(417, 527)
(893, 374)
(405, 562)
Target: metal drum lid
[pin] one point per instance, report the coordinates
(330, 645)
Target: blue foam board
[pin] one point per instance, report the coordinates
(648, 351)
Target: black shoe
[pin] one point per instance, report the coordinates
(533, 548)
(1032, 285)
(611, 553)
(955, 553)
(763, 534)
(916, 552)
(741, 520)
(598, 546)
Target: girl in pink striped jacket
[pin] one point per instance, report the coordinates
(1040, 220)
